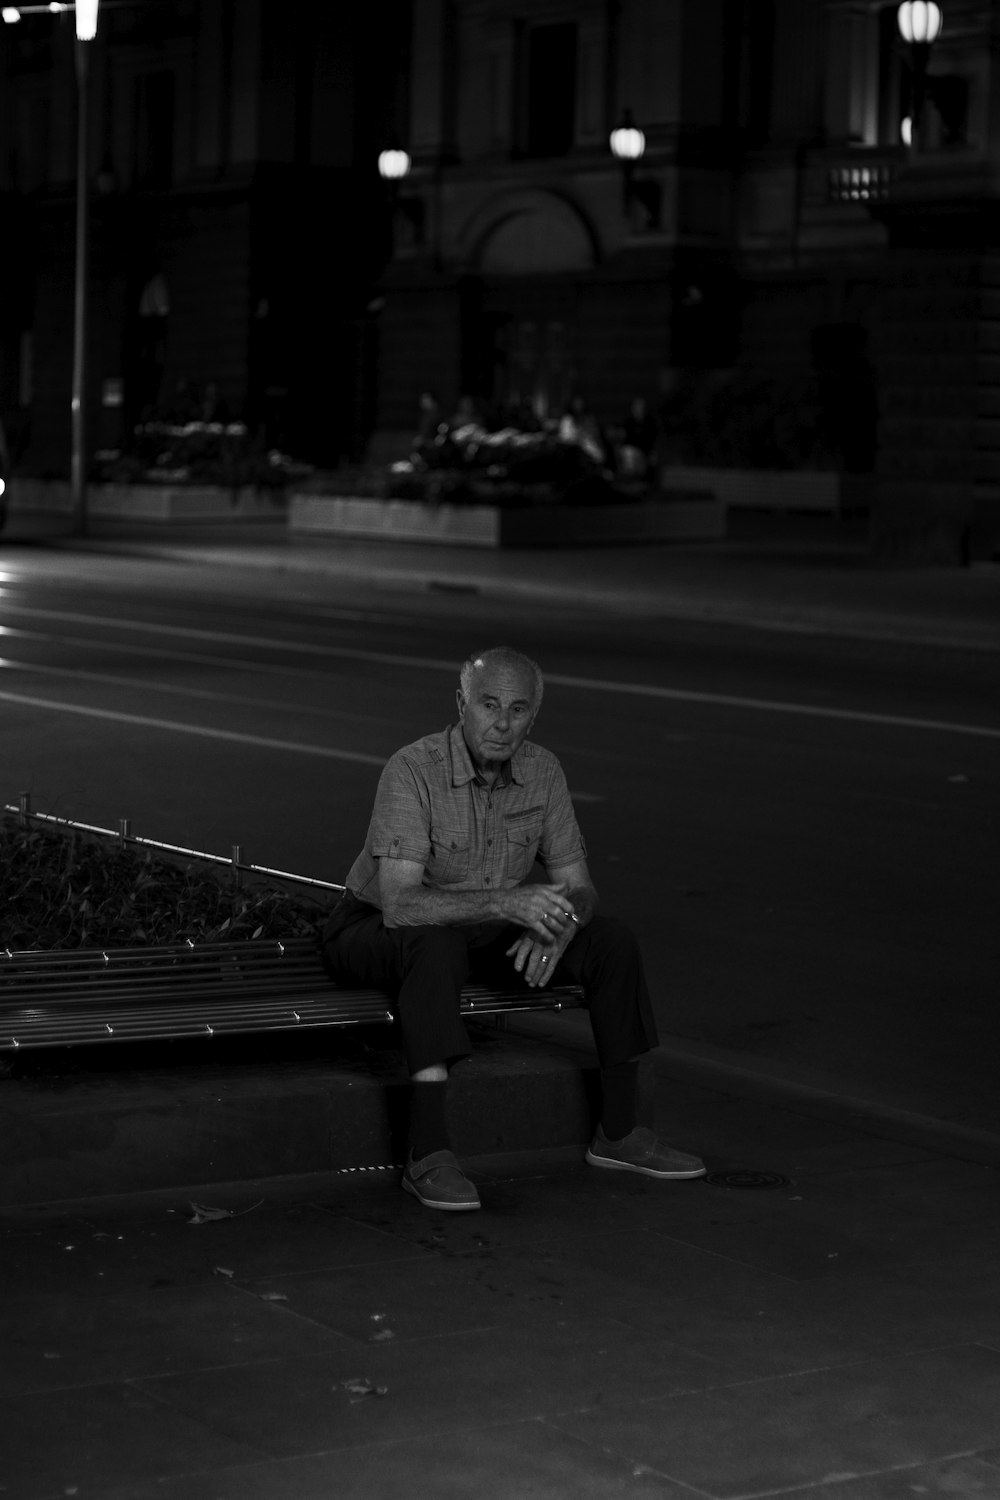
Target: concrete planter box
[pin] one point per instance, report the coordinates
(777, 490)
(148, 502)
(685, 517)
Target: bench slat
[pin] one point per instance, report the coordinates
(94, 991)
(254, 950)
(61, 1029)
(138, 1025)
(72, 997)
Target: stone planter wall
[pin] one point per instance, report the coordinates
(778, 490)
(680, 517)
(148, 502)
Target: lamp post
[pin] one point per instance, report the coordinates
(393, 167)
(628, 146)
(86, 30)
(919, 23)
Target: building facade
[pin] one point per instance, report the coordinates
(237, 221)
(779, 274)
(777, 246)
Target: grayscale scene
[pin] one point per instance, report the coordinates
(499, 750)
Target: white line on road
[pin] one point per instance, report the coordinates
(769, 705)
(236, 638)
(176, 690)
(592, 684)
(259, 741)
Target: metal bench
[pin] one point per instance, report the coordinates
(87, 995)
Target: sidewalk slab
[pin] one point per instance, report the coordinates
(833, 1337)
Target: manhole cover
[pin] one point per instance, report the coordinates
(746, 1177)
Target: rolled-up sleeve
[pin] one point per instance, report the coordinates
(400, 822)
(561, 843)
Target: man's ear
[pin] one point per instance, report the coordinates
(460, 700)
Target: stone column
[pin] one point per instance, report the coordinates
(937, 492)
(930, 369)
(433, 80)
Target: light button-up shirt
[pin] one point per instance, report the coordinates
(433, 807)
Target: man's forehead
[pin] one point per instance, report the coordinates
(498, 681)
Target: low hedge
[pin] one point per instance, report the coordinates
(67, 889)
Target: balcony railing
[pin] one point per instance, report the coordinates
(859, 182)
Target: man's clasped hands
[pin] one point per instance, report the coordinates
(551, 922)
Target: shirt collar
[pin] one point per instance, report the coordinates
(463, 771)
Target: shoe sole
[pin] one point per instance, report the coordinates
(455, 1208)
(627, 1166)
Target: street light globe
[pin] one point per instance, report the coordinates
(393, 164)
(906, 130)
(86, 19)
(919, 21)
(627, 141)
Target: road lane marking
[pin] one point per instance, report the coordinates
(209, 695)
(773, 705)
(235, 638)
(590, 684)
(145, 721)
(258, 741)
(164, 653)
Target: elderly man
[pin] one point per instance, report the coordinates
(440, 893)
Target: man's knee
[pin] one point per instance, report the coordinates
(441, 949)
(612, 938)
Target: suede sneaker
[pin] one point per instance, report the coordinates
(641, 1151)
(439, 1182)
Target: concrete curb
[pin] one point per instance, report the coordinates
(149, 1127)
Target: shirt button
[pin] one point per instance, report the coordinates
(487, 880)
(489, 843)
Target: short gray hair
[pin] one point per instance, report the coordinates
(502, 656)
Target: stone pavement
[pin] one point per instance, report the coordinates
(819, 1319)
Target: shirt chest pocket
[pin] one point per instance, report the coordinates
(449, 856)
(522, 846)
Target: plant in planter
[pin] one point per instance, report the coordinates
(506, 467)
(197, 453)
(76, 890)
(747, 419)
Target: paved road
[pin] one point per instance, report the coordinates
(802, 830)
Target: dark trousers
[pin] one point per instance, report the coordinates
(424, 969)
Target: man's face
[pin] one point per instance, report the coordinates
(497, 714)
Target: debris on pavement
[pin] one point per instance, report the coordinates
(360, 1385)
(205, 1214)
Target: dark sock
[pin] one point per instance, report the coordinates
(618, 1085)
(428, 1125)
